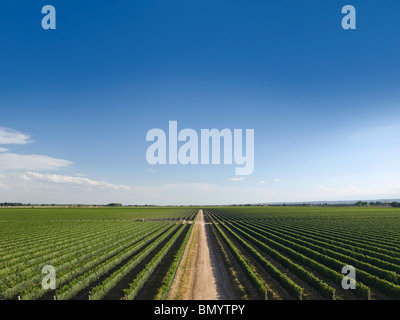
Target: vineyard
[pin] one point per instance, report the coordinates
(127, 253)
(97, 253)
(299, 253)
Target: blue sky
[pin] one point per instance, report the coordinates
(79, 100)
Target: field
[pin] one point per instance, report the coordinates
(97, 253)
(299, 253)
(249, 252)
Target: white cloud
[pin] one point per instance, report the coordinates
(81, 175)
(12, 161)
(11, 136)
(277, 180)
(3, 183)
(34, 187)
(237, 179)
(68, 180)
(263, 181)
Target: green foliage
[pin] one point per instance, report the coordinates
(82, 244)
(324, 239)
(313, 243)
(148, 270)
(395, 204)
(322, 287)
(114, 205)
(76, 285)
(295, 290)
(169, 278)
(104, 287)
(254, 279)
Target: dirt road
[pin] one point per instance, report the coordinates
(203, 275)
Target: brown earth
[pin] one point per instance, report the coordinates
(201, 274)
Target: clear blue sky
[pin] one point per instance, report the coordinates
(324, 102)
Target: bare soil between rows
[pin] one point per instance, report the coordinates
(202, 274)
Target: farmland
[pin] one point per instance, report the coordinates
(299, 253)
(97, 253)
(289, 253)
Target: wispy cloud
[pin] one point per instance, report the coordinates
(277, 180)
(16, 162)
(237, 179)
(81, 175)
(11, 136)
(34, 187)
(69, 180)
(12, 161)
(3, 185)
(263, 181)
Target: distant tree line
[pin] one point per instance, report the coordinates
(77, 205)
(12, 204)
(395, 204)
(19, 204)
(362, 204)
(114, 205)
